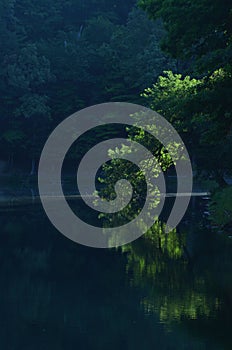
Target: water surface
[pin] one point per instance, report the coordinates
(160, 292)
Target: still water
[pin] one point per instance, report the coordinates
(160, 292)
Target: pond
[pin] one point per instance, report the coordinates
(159, 292)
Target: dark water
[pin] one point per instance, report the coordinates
(160, 292)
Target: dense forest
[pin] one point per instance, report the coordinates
(58, 57)
(61, 56)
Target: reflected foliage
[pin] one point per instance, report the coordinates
(179, 288)
(62, 294)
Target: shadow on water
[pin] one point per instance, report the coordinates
(160, 292)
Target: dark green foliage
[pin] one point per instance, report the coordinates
(58, 57)
(198, 32)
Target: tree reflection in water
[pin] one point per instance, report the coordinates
(57, 294)
(180, 288)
